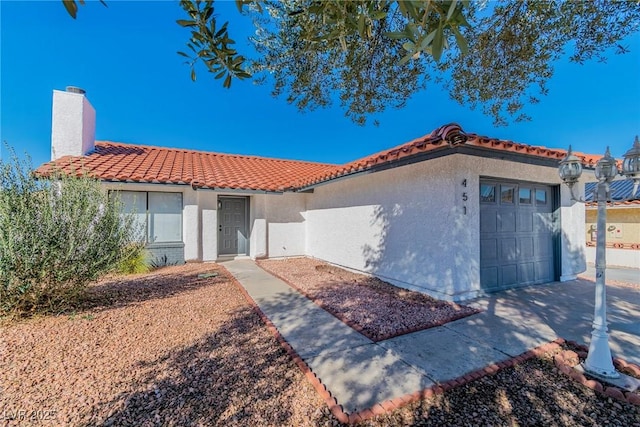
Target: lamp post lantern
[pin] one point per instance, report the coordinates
(599, 361)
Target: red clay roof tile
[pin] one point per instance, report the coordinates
(138, 163)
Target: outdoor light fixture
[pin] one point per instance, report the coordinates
(570, 169)
(599, 362)
(631, 165)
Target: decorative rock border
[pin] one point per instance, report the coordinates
(568, 359)
(563, 362)
(359, 328)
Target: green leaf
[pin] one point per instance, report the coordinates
(186, 23)
(378, 14)
(452, 8)
(220, 74)
(462, 42)
(183, 54)
(227, 82)
(71, 6)
(436, 46)
(409, 46)
(394, 35)
(361, 25)
(193, 75)
(208, 13)
(424, 44)
(405, 59)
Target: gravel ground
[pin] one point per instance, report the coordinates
(533, 393)
(377, 309)
(170, 348)
(163, 349)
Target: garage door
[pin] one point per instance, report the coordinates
(516, 234)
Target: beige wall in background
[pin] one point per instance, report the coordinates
(623, 225)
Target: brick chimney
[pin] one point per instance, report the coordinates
(73, 125)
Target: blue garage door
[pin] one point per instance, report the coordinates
(517, 229)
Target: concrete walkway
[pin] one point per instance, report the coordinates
(360, 373)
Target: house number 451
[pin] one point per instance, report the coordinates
(464, 197)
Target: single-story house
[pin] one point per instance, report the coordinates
(623, 225)
(450, 214)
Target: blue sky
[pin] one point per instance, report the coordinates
(124, 56)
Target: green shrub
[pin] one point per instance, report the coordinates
(57, 234)
(136, 262)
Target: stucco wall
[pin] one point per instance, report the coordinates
(73, 125)
(286, 225)
(402, 224)
(412, 226)
(623, 224)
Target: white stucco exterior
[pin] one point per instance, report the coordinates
(73, 126)
(408, 225)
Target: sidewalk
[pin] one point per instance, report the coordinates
(360, 373)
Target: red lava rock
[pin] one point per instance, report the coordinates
(615, 393)
(375, 308)
(558, 359)
(594, 385)
(565, 369)
(620, 363)
(633, 398)
(578, 376)
(635, 370)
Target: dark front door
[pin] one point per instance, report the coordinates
(232, 226)
(517, 228)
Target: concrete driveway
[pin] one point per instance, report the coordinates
(560, 310)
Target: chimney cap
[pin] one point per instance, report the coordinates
(75, 89)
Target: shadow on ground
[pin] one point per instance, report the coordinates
(237, 375)
(166, 282)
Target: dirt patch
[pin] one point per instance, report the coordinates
(375, 308)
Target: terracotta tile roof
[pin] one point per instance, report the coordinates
(114, 161)
(432, 142)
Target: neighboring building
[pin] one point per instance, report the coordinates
(623, 225)
(450, 215)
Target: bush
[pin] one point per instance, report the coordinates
(57, 234)
(136, 262)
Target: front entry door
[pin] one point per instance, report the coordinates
(232, 226)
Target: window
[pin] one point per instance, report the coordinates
(524, 194)
(165, 217)
(135, 202)
(487, 193)
(159, 215)
(541, 197)
(506, 193)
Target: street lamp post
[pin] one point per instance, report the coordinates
(599, 362)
